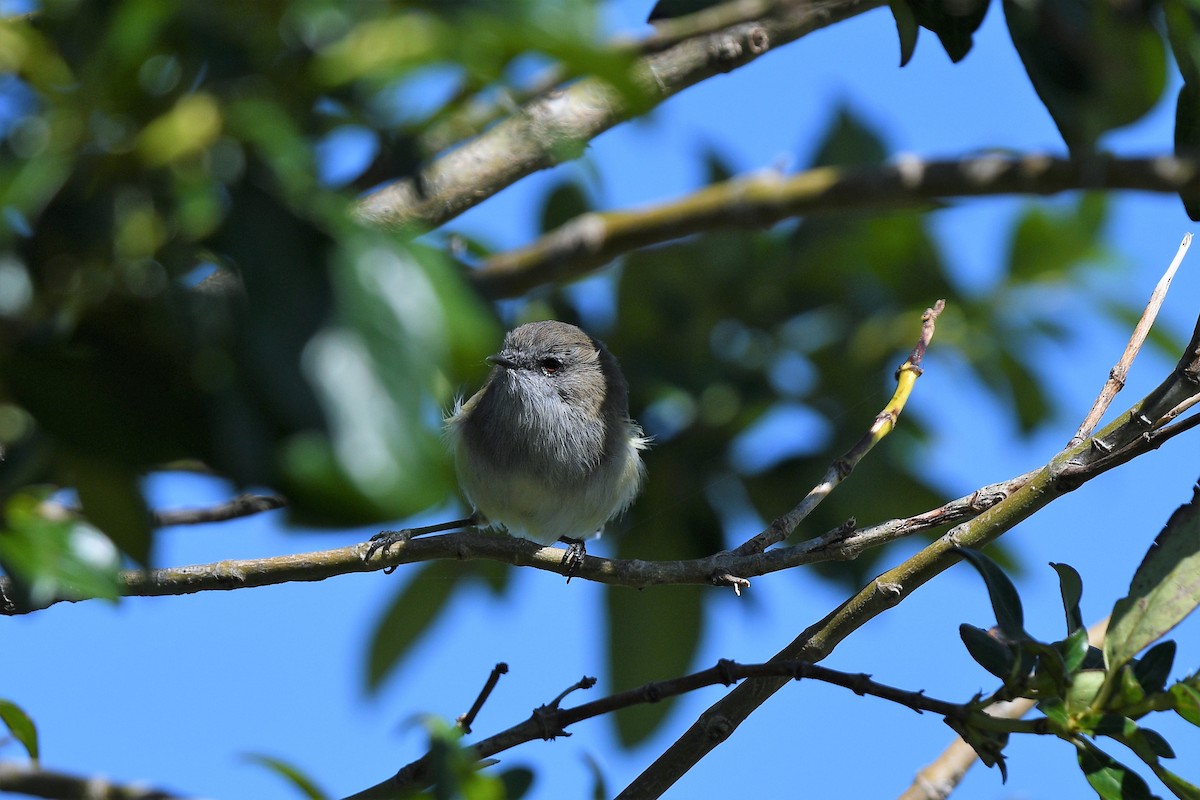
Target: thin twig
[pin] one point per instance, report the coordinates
(841, 468)
(1117, 375)
(550, 721)
(466, 720)
(244, 505)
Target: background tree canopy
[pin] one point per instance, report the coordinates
(262, 248)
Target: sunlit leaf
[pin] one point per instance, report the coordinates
(1111, 779)
(1164, 590)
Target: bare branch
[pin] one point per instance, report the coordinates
(839, 470)
(468, 719)
(29, 779)
(550, 721)
(591, 241)
(1117, 375)
(551, 128)
(244, 505)
(837, 545)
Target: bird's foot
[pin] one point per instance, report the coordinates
(384, 540)
(573, 557)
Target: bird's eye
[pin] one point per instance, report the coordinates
(550, 365)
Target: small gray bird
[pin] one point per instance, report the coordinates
(546, 449)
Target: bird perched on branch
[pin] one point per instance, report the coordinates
(546, 449)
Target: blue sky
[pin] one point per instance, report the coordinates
(173, 690)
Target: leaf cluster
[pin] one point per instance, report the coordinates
(1086, 693)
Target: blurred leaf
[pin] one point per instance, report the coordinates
(1071, 588)
(299, 781)
(1187, 141)
(1067, 46)
(991, 654)
(907, 28)
(1164, 590)
(1111, 779)
(1183, 34)
(1005, 601)
(564, 202)
(112, 500)
(1047, 243)
(412, 611)
(49, 558)
(599, 790)
(21, 726)
(1154, 668)
(849, 142)
(517, 782)
(666, 9)
(954, 23)
(639, 652)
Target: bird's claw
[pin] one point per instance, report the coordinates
(573, 557)
(384, 540)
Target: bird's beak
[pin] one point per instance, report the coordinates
(501, 360)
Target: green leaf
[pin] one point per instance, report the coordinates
(412, 611)
(564, 202)
(299, 781)
(1187, 141)
(49, 558)
(954, 23)
(994, 656)
(1067, 48)
(907, 28)
(1070, 586)
(599, 790)
(21, 726)
(1048, 243)
(1085, 685)
(1154, 668)
(517, 782)
(1111, 779)
(1183, 33)
(1165, 588)
(112, 501)
(850, 141)
(639, 652)
(1074, 649)
(1010, 617)
(1187, 702)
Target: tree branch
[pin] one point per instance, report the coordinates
(1131, 434)
(549, 721)
(29, 779)
(592, 240)
(836, 545)
(550, 128)
(1117, 375)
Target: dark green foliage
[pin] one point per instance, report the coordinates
(1067, 48)
(954, 23)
